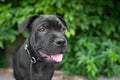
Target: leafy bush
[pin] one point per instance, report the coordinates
(94, 41)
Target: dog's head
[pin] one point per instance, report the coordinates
(47, 36)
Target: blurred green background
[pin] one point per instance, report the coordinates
(94, 38)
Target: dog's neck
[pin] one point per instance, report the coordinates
(40, 67)
(32, 53)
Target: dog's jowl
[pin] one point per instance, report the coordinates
(44, 46)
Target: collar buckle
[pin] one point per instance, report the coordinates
(33, 60)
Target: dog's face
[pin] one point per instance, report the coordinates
(47, 36)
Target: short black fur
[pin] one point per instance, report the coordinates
(46, 35)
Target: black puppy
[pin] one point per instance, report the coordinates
(44, 46)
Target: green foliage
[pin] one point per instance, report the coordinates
(94, 41)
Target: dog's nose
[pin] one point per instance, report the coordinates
(60, 42)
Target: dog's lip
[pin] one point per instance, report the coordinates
(56, 57)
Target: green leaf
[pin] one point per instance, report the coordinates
(12, 38)
(1, 44)
(25, 33)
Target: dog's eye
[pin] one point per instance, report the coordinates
(41, 29)
(62, 29)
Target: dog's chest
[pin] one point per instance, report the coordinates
(43, 72)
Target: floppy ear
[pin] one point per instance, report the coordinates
(26, 23)
(65, 24)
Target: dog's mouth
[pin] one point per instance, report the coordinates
(57, 57)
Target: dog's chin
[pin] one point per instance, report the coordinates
(56, 57)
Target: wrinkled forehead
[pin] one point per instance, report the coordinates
(48, 21)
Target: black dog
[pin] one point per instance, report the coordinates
(44, 46)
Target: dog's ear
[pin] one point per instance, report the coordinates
(65, 24)
(26, 23)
